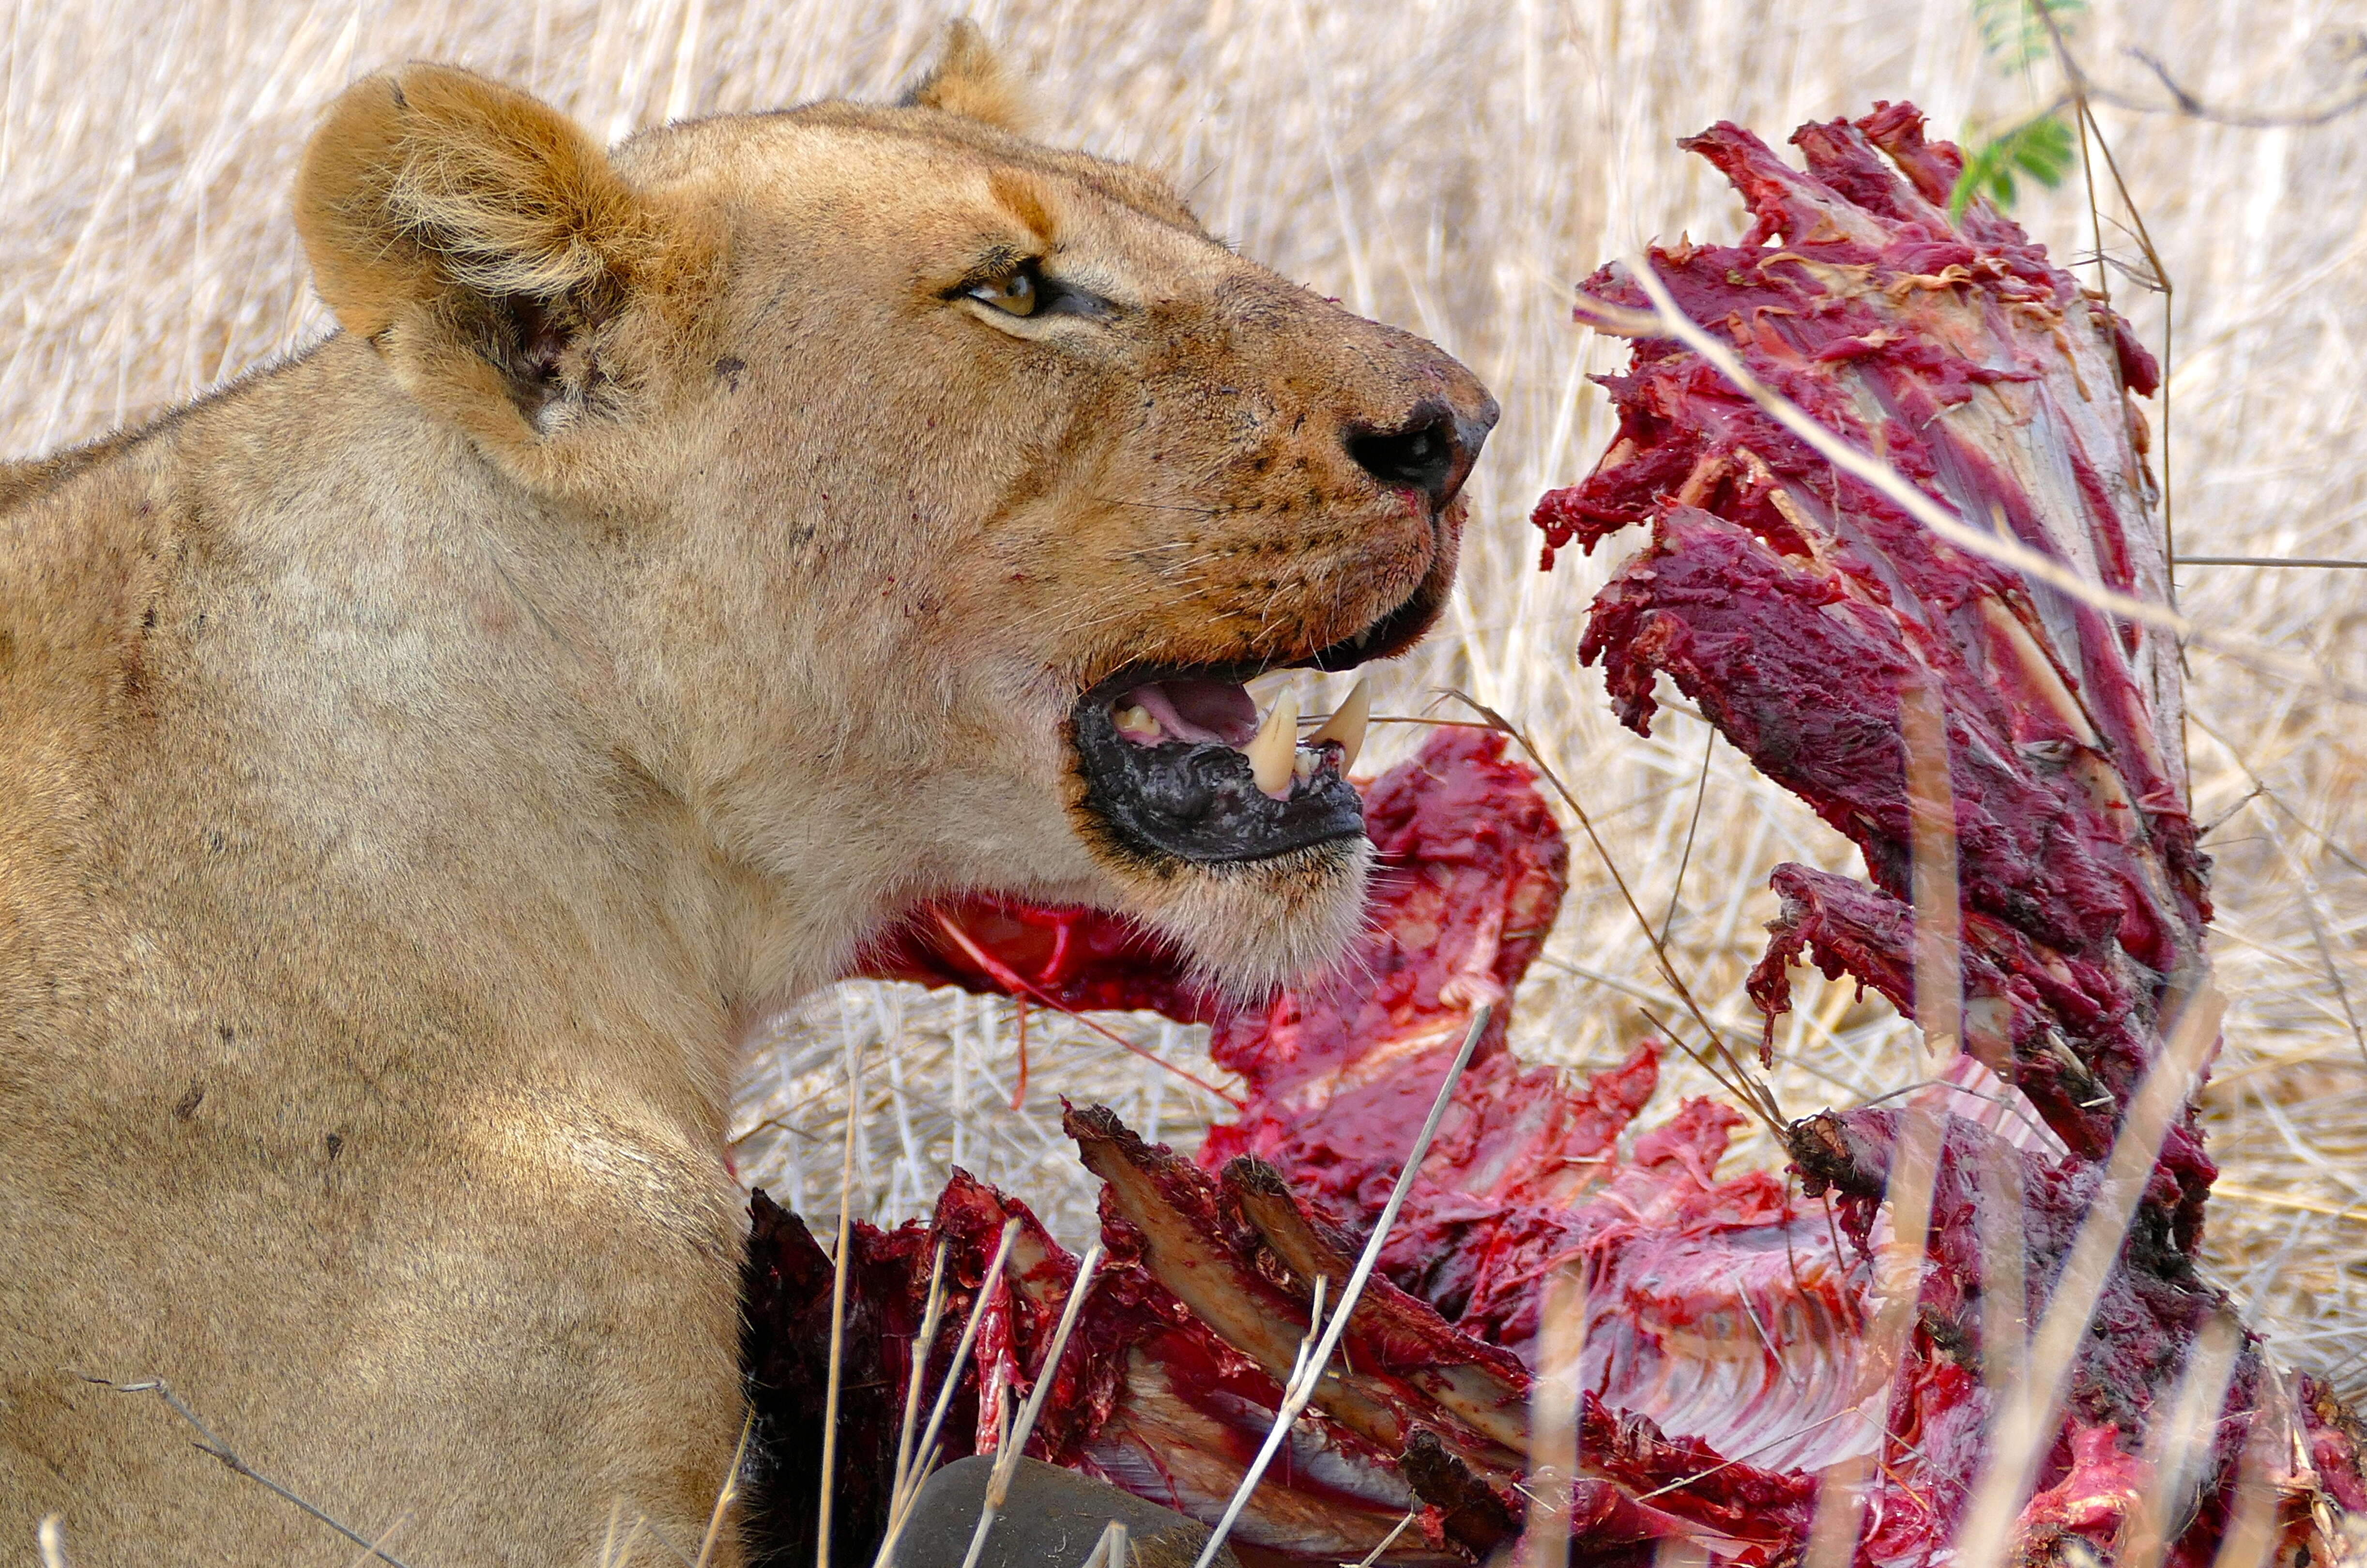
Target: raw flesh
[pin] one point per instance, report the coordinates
(1725, 1358)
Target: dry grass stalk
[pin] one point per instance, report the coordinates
(2031, 1408)
(1840, 1513)
(2181, 1444)
(1014, 1442)
(728, 1493)
(1915, 1154)
(1309, 1371)
(2251, 1534)
(931, 1312)
(378, 1545)
(615, 1550)
(837, 1320)
(1939, 907)
(1110, 1550)
(907, 1491)
(1382, 1545)
(1553, 1404)
(2005, 1262)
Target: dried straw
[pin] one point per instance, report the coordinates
(1315, 1359)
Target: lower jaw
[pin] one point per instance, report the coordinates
(1248, 927)
(1204, 797)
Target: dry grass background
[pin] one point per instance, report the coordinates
(1452, 165)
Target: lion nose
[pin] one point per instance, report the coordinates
(1431, 450)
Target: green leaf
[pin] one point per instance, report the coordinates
(2043, 149)
(2013, 33)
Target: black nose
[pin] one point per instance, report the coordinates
(1431, 452)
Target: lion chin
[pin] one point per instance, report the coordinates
(1259, 925)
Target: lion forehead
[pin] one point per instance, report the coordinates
(876, 149)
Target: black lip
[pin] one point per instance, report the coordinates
(1194, 800)
(1197, 801)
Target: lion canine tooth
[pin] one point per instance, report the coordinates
(1347, 723)
(1275, 745)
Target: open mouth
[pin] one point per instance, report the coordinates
(1179, 762)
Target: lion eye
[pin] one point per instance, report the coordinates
(1016, 294)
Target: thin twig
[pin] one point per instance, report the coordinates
(1721, 1076)
(2319, 936)
(1314, 1334)
(2192, 106)
(1745, 1086)
(2320, 561)
(2083, 94)
(2203, 834)
(214, 1447)
(2167, 286)
(2095, 220)
(2260, 787)
(1388, 1541)
(1686, 856)
(1301, 1388)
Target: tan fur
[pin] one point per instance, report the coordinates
(970, 79)
(424, 763)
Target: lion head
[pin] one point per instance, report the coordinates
(930, 493)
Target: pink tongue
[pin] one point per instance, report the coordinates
(1218, 711)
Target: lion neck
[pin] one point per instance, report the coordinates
(427, 727)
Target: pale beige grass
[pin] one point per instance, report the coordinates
(1455, 167)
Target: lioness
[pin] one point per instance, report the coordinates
(423, 763)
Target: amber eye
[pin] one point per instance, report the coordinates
(1016, 294)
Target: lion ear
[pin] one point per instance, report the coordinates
(474, 236)
(970, 79)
